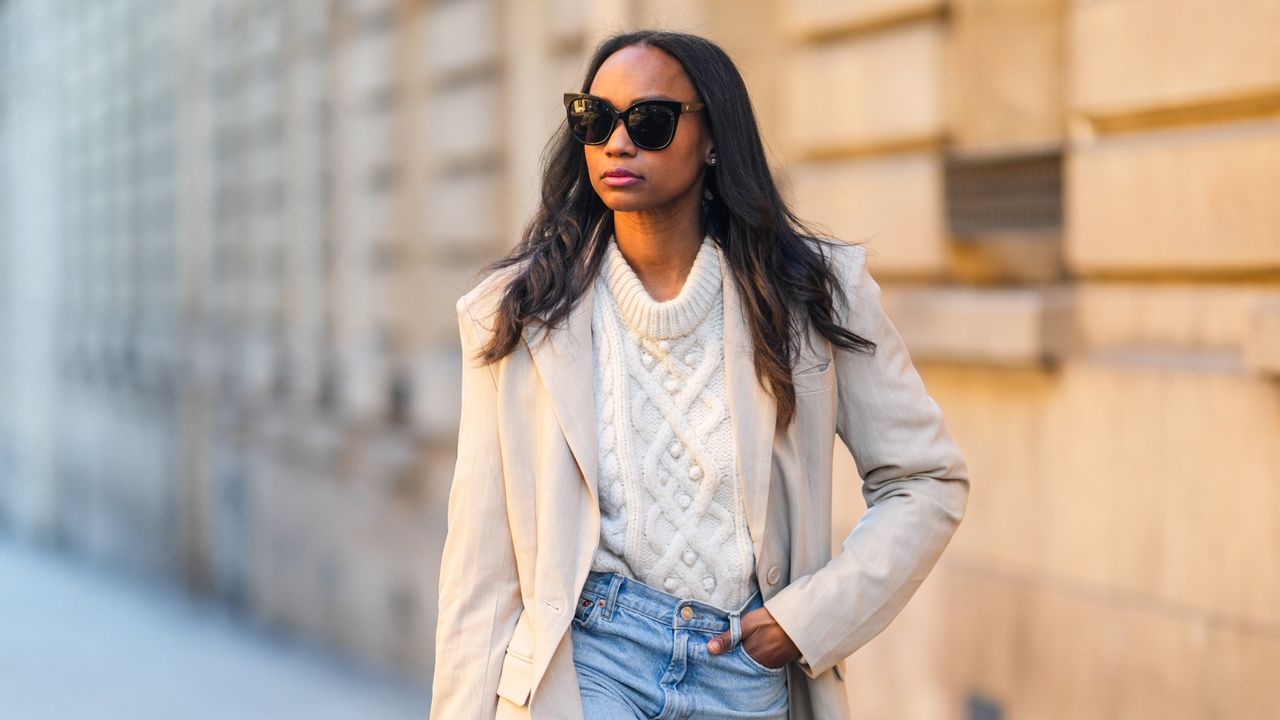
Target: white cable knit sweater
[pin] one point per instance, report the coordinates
(671, 505)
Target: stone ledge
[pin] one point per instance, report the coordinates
(1016, 327)
(1262, 345)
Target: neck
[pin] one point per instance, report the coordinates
(660, 248)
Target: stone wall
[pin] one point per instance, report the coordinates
(232, 232)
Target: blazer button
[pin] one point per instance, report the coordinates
(774, 574)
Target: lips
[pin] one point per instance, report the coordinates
(619, 178)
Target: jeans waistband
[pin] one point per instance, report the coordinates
(615, 589)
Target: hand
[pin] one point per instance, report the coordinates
(762, 638)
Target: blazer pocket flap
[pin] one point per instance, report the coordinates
(516, 679)
(813, 377)
(815, 367)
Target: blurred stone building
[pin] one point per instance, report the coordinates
(232, 232)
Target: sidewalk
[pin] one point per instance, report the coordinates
(79, 642)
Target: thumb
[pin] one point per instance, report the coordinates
(719, 643)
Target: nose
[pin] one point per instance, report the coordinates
(619, 141)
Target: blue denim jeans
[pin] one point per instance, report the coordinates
(641, 652)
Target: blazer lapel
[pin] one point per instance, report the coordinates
(565, 362)
(753, 412)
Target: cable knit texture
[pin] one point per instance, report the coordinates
(671, 505)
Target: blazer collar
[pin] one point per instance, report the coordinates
(565, 361)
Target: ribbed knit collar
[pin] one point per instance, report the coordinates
(671, 318)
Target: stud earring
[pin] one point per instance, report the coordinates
(712, 161)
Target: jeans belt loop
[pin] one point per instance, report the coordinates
(735, 628)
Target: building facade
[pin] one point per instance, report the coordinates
(232, 232)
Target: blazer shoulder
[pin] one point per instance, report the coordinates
(850, 263)
(481, 302)
(849, 266)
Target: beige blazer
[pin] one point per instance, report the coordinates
(523, 519)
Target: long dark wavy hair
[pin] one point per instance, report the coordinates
(783, 276)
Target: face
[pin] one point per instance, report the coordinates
(666, 177)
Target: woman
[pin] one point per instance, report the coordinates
(639, 522)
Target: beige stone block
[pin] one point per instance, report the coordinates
(1191, 200)
(366, 218)
(569, 19)
(867, 92)
(379, 539)
(366, 376)
(601, 18)
(680, 15)
(446, 281)
(567, 69)
(984, 635)
(280, 539)
(1262, 344)
(461, 210)
(1221, 426)
(1090, 655)
(368, 10)
(366, 65)
(901, 672)
(819, 17)
(530, 86)
(1097, 493)
(1068, 656)
(1005, 74)
(999, 419)
(1013, 327)
(1208, 318)
(464, 122)
(1240, 673)
(1161, 663)
(462, 36)
(847, 503)
(891, 204)
(368, 140)
(736, 27)
(1048, 649)
(1133, 54)
(332, 568)
(296, 601)
(437, 405)
(1150, 462)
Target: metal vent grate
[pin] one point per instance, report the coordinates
(981, 707)
(1004, 194)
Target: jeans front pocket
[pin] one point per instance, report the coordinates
(741, 649)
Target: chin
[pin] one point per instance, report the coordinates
(622, 202)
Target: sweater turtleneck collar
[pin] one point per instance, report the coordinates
(672, 318)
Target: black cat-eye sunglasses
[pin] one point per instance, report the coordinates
(651, 124)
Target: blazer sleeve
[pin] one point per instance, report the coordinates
(479, 597)
(914, 480)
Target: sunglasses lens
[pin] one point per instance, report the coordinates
(651, 126)
(589, 120)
